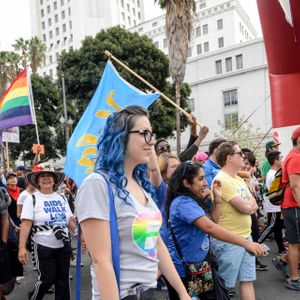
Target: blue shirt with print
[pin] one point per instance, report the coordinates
(211, 170)
(193, 242)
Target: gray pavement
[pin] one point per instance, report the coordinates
(270, 284)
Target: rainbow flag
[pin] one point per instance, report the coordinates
(15, 105)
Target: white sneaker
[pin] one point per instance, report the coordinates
(19, 279)
(74, 262)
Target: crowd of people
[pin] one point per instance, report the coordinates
(193, 224)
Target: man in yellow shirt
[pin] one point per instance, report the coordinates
(235, 263)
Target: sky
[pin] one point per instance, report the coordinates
(15, 18)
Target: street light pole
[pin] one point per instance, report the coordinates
(65, 108)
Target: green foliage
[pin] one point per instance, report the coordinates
(46, 98)
(244, 134)
(83, 68)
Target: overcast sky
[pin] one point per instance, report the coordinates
(15, 18)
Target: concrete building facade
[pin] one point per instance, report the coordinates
(62, 24)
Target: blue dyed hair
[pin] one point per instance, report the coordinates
(111, 148)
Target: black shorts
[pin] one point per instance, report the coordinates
(5, 272)
(292, 224)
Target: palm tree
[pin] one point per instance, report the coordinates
(37, 53)
(22, 46)
(179, 19)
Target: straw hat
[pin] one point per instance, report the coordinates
(44, 168)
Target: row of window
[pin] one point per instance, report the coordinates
(244, 31)
(62, 2)
(230, 101)
(128, 6)
(129, 19)
(58, 41)
(205, 28)
(63, 15)
(64, 29)
(57, 28)
(228, 64)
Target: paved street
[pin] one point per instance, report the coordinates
(269, 285)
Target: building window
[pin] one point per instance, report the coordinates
(218, 67)
(231, 120)
(48, 9)
(138, 3)
(199, 49)
(189, 52)
(202, 4)
(43, 25)
(49, 22)
(239, 61)
(140, 29)
(192, 104)
(198, 31)
(134, 22)
(63, 14)
(122, 3)
(165, 43)
(56, 56)
(69, 11)
(70, 24)
(41, 2)
(139, 15)
(154, 24)
(221, 42)
(64, 28)
(230, 98)
(220, 24)
(50, 59)
(50, 34)
(62, 2)
(128, 7)
(156, 44)
(205, 29)
(206, 47)
(57, 31)
(71, 38)
(55, 5)
(56, 18)
(51, 72)
(133, 11)
(129, 21)
(228, 63)
(44, 37)
(42, 12)
(123, 16)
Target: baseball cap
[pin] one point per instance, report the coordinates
(9, 174)
(296, 133)
(271, 144)
(21, 168)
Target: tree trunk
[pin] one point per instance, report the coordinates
(178, 144)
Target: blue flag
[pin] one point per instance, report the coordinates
(112, 94)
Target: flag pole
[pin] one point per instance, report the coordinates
(262, 140)
(32, 106)
(109, 55)
(7, 156)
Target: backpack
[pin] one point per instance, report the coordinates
(277, 189)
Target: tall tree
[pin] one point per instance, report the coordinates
(21, 46)
(179, 18)
(83, 68)
(37, 53)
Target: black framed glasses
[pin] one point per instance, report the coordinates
(186, 164)
(239, 152)
(148, 135)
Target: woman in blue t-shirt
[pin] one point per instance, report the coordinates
(186, 210)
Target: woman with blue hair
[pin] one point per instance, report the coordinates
(125, 149)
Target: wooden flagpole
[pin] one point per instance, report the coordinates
(262, 140)
(7, 156)
(109, 55)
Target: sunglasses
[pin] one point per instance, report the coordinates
(148, 135)
(239, 152)
(165, 148)
(186, 164)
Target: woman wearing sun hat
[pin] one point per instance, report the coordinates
(49, 215)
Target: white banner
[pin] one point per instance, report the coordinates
(11, 135)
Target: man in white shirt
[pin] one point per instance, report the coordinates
(275, 221)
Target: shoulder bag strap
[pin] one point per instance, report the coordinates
(114, 236)
(176, 242)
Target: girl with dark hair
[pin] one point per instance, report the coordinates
(190, 225)
(124, 151)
